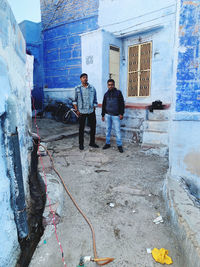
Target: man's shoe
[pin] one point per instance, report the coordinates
(81, 147)
(94, 145)
(106, 146)
(120, 149)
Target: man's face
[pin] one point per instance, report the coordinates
(111, 85)
(84, 79)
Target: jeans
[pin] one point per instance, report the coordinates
(92, 123)
(116, 123)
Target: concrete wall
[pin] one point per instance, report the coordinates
(95, 58)
(152, 21)
(62, 42)
(34, 44)
(185, 124)
(13, 90)
(119, 16)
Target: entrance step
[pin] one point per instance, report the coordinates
(159, 115)
(155, 149)
(157, 126)
(155, 138)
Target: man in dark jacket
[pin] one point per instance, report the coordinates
(113, 111)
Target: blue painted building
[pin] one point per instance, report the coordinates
(185, 119)
(151, 49)
(15, 118)
(34, 45)
(62, 27)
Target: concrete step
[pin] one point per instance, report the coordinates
(159, 115)
(131, 134)
(155, 149)
(155, 137)
(158, 126)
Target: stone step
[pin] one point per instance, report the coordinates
(155, 149)
(131, 134)
(158, 115)
(158, 126)
(153, 137)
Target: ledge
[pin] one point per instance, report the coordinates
(184, 219)
(139, 106)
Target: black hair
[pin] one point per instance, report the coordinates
(111, 81)
(83, 74)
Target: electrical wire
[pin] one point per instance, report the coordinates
(45, 179)
(146, 14)
(96, 259)
(120, 32)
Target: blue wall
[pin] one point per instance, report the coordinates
(188, 74)
(54, 13)
(34, 44)
(184, 151)
(62, 52)
(13, 93)
(62, 27)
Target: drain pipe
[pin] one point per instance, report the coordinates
(15, 171)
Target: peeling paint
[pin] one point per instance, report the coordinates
(190, 3)
(13, 84)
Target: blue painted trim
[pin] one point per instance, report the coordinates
(187, 116)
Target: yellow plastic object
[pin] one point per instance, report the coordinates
(161, 256)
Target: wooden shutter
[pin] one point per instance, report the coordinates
(145, 69)
(133, 70)
(139, 70)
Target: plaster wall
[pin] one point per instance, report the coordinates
(162, 38)
(118, 16)
(185, 123)
(13, 90)
(32, 33)
(95, 58)
(153, 22)
(62, 26)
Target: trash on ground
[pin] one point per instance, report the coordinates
(149, 250)
(161, 256)
(158, 220)
(134, 211)
(51, 219)
(112, 205)
(42, 151)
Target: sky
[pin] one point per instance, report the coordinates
(26, 10)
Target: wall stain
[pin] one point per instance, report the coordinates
(192, 160)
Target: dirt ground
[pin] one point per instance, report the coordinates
(131, 181)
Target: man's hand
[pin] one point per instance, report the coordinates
(78, 113)
(103, 118)
(121, 117)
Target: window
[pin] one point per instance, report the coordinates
(139, 69)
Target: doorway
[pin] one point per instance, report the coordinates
(114, 63)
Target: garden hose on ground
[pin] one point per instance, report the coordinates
(99, 261)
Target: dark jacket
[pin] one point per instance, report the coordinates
(113, 103)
